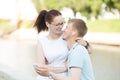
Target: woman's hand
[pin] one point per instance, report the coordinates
(42, 70)
(81, 41)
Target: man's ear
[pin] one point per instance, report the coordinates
(73, 33)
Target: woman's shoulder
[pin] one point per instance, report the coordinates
(41, 39)
(42, 34)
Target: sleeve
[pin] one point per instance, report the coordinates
(77, 57)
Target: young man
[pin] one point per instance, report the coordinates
(79, 63)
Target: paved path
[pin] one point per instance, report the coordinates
(7, 73)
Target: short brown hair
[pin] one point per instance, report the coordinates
(79, 25)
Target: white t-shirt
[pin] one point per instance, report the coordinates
(55, 51)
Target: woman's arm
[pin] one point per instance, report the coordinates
(58, 69)
(40, 54)
(40, 57)
(75, 74)
(88, 47)
(42, 61)
(53, 69)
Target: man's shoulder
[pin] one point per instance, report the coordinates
(81, 48)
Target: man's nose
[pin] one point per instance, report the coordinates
(64, 27)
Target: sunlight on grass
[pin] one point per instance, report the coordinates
(104, 25)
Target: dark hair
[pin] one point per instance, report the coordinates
(80, 26)
(45, 16)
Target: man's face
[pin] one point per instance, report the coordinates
(68, 31)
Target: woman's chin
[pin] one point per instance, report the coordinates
(58, 33)
(64, 38)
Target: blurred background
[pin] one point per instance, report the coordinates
(18, 38)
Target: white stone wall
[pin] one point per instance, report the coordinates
(18, 55)
(7, 73)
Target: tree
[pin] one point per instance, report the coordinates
(86, 7)
(117, 4)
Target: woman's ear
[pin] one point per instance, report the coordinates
(47, 24)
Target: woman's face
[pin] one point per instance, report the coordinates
(57, 25)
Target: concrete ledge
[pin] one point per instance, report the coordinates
(93, 37)
(103, 38)
(7, 73)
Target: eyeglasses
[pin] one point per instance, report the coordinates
(59, 24)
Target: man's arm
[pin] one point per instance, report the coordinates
(75, 74)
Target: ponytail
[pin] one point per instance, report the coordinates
(43, 17)
(40, 22)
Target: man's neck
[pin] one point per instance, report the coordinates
(71, 42)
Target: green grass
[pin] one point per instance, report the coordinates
(6, 26)
(104, 25)
(3, 22)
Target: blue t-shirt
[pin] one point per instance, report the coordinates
(78, 57)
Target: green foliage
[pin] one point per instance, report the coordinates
(52, 4)
(117, 4)
(113, 4)
(104, 25)
(86, 7)
(109, 3)
(37, 4)
(96, 7)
